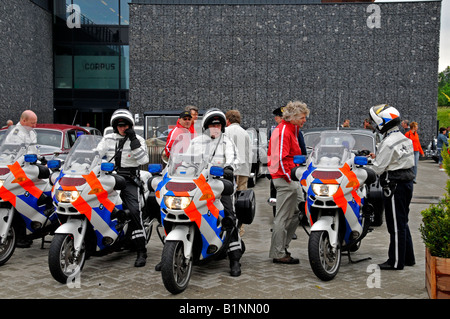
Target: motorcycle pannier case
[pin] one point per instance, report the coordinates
(245, 206)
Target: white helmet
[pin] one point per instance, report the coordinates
(121, 115)
(213, 116)
(385, 117)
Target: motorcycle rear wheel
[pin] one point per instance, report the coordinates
(323, 259)
(8, 247)
(175, 269)
(62, 263)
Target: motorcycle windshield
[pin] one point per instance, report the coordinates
(14, 145)
(185, 161)
(333, 149)
(84, 155)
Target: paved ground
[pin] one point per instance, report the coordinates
(26, 275)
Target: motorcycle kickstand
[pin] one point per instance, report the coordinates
(356, 261)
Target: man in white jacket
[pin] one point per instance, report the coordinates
(241, 139)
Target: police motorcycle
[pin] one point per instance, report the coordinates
(86, 194)
(26, 210)
(335, 182)
(196, 229)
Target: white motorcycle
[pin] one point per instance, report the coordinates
(25, 203)
(86, 194)
(335, 183)
(192, 215)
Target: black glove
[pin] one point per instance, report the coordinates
(134, 142)
(131, 134)
(228, 173)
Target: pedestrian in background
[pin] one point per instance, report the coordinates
(278, 117)
(194, 114)
(441, 141)
(368, 125)
(414, 137)
(9, 123)
(184, 125)
(404, 126)
(241, 139)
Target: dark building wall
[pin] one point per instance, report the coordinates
(256, 58)
(26, 66)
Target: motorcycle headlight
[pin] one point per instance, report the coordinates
(175, 202)
(325, 189)
(67, 196)
(1, 182)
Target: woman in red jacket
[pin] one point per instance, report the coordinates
(283, 146)
(414, 136)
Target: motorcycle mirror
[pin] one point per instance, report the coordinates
(360, 160)
(155, 168)
(299, 159)
(107, 167)
(216, 171)
(54, 164)
(30, 158)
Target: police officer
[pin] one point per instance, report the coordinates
(24, 132)
(129, 150)
(394, 162)
(221, 151)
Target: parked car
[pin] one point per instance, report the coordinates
(364, 140)
(157, 125)
(56, 140)
(431, 151)
(92, 130)
(258, 138)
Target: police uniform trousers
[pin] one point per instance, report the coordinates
(401, 250)
(235, 246)
(130, 197)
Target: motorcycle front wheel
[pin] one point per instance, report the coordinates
(175, 269)
(63, 264)
(323, 258)
(8, 246)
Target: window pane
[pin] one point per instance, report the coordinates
(96, 67)
(63, 67)
(63, 71)
(125, 12)
(99, 11)
(125, 67)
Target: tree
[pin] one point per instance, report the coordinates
(444, 88)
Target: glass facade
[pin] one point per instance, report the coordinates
(91, 60)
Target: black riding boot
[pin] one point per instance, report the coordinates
(235, 268)
(141, 258)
